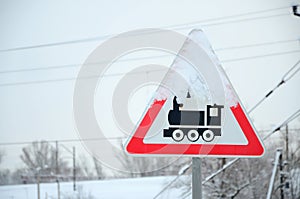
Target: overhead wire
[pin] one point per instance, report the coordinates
(175, 27)
(260, 56)
(184, 170)
(98, 139)
(66, 148)
(285, 78)
(91, 39)
(226, 17)
(289, 74)
(227, 165)
(289, 119)
(241, 20)
(109, 75)
(63, 140)
(285, 122)
(258, 44)
(74, 78)
(54, 67)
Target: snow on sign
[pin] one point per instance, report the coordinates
(195, 110)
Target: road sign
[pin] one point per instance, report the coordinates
(195, 110)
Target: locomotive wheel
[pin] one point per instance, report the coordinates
(193, 135)
(178, 135)
(208, 136)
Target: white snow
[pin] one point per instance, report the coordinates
(145, 188)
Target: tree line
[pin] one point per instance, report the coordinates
(248, 178)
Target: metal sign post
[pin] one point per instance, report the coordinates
(196, 179)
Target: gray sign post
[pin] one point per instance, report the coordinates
(196, 179)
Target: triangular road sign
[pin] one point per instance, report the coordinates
(195, 110)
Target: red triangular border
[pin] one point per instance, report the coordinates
(137, 146)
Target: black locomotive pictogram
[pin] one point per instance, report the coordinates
(194, 124)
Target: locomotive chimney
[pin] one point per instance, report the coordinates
(188, 95)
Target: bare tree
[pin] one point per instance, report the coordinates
(41, 157)
(4, 174)
(294, 167)
(2, 153)
(295, 183)
(249, 178)
(83, 169)
(150, 166)
(136, 167)
(98, 168)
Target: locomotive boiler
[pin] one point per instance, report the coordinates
(194, 123)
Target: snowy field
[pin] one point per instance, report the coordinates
(116, 188)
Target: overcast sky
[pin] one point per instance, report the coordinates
(43, 110)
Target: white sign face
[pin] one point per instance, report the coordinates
(195, 110)
(231, 133)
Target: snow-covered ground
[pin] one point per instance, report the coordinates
(117, 188)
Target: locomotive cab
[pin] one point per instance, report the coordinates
(213, 115)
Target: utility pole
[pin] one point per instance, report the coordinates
(196, 178)
(287, 142)
(272, 180)
(74, 170)
(56, 157)
(281, 185)
(287, 166)
(57, 169)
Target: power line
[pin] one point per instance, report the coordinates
(175, 27)
(285, 122)
(291, 73)
(54, 67)
(285, 78)
(242, 20)
(182, 171)
(117, 74)
(231, 22)
(227, 17)
(73, 78)
(261, 56)
(63, 140)
(288, 120)
(103, 138)
(258, 44)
